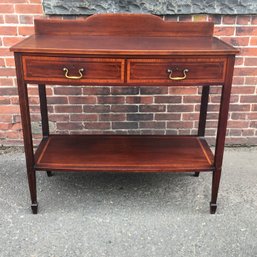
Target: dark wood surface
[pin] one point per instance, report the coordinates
(124, 49)
(122, 25)
(124, 153)
(123, 34)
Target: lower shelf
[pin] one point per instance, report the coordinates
(123, 153)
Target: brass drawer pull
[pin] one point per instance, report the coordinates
(73, 77)
(177, 78)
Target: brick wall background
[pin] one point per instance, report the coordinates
(135, 110)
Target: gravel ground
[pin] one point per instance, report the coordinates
(132, 215)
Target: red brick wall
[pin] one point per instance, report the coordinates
(159, 110)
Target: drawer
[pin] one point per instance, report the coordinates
(72, 70)
(177, 70)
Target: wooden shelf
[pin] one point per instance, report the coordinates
(130, 153)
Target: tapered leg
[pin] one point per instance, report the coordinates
(221, 134)
(203, 114)
(44, 114)
(27, 135)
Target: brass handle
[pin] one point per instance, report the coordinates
(178, 78)
(66, 71)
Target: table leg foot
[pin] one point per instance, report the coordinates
(34, 208)
(49, 173)
(196, 174)
(213, 208)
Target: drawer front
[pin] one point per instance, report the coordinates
(177, 70)
(70, 70)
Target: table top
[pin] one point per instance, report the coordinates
(123, 34)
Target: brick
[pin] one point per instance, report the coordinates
(224, 31)
(59, 117)
(216, 19)
(7, 72)
(243, 19)
(28, 8)
(69, 126)
(5, 126)
(253, 41)
(82, 99)
(248, 99)
(170, 17)
(238, 124)
(185, 17)
(57, 100)
(212, 116)
(9, 62)
(239, 116)
(246, 31)
(153, 90)
(139, 116)
(229, 19)
(253, 124)
(251, 80)
(11, 19)
(33, 100)
(2, 63)
(245, 71)
(110, 99)
(190, 116)
(83, 117)
(9, 41)
(239, 107)
(139, 99)
(96, 108)
(9, 109)
(249, 51)
(6, 82)
(112, 117)
(180, 108)
(247, 132)
(152, 124)
(125, 90)
(6, 118)
(67, 91)
(13, 1)
(250, 61)
(167, 116)
(237, 41)
(4, 100)
(8, 30)
(151, 132)
(191, 99)
(96, 91)
(26, 19)
(243, 90)
(238, 80)
(97, 125)
(8, 91)
(25, 30)
(235, 132)
(182, 90)
(239, 61)
(6, 8)
(124, 125)
(68, 108)
(168, 99)
(254, 20)
(152, 108)
(4, 51)
(179, 124)
(200, 17)
(124, 108)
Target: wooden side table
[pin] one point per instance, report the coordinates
(123, 50)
